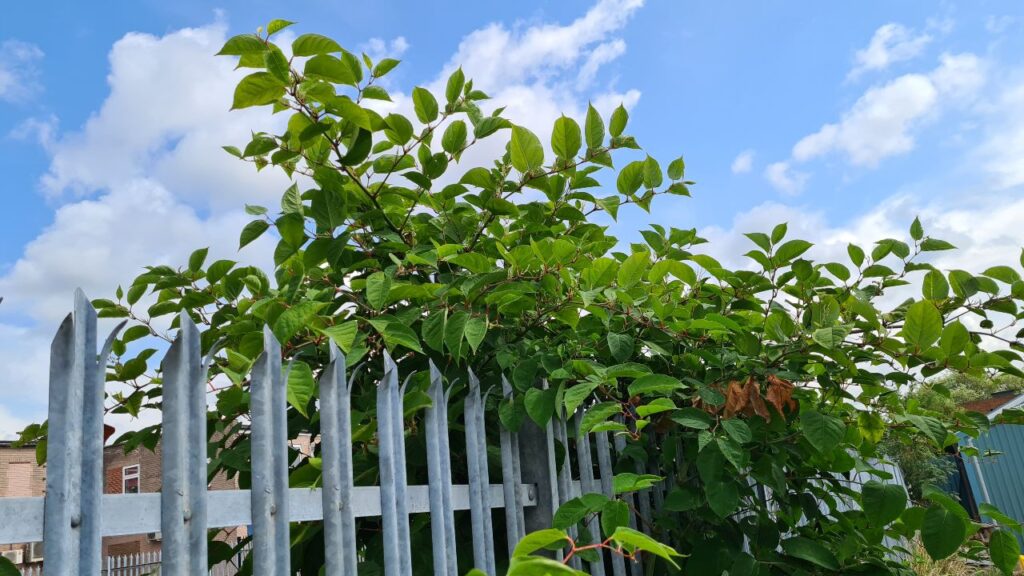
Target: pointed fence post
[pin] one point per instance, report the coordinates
(511, 478)
(439, 466)
(184, 454)
(479, 479)
(74, 479)
(336, 450)
(271, 542)
(393, 498)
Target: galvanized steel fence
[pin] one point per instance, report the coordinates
(75, 515)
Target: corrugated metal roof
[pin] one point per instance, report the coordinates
(1002, 475)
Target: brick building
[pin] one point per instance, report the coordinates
(132, 472)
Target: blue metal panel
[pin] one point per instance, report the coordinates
(1003, 474)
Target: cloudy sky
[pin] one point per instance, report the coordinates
(844, 119)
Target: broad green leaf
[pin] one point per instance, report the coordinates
(955, 338)
(540, 566)
(331, 69)
(631, 177)
(1004, 549)
(916, 230)
(294, 319)
(871, 426)
(811, 551)
(576, 509)
(599, 413)
(276, 25)
(257, 89)
(343, 334)
(620, 345)
(243, 44)
(384, 66)
(632, 539)
(652, 173)
(693, 418)
(433, 330)
(453, 89)
(196, 260)
(454, 137)
(942, 532)
(476, 329)
(566, 138)
(614, 514)
(823, 431)
(831, 337)
(790, 250)
(577, 394)
(7, 568)
(527, 153)
(618, 121)
(629, 482)
(632, 269)
(378, 286)
(540, 540)
(396, 333)
(540, 404)
(882, 503)
(738, 430)
(594, 129)
(676, 168)
(312, 44)
(300, 386)
(424, 104)
(723, 497)
(655, 384)
(934, 286)
(922, 325)
(933, 244)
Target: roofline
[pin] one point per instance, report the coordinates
(1015, 403)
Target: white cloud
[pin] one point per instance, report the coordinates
(379, 48)
(1002, 150)
(890, 44)
(18, 72)
(785, 179)
(999, 24)
(144, 180)
(743, 162)
(881, 123)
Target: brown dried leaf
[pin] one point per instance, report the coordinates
(780, 394)
(755, 402)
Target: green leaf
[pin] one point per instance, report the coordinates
(277, 25)
(378, 286)
(300, 386)
(257, 89)
(384, 66)
(723, 497)
(243, 44)
(631, 177)
(614, 514)
(856, 254)
(252, 231)
(433, 329)
(454, 87)
(576, 395)
(294, 319)
(594, 126)
(312, 44)
(476, 329)
(652, 173)
(632, 539)
(425, 105)
(396, 333)
(882, 503)
(629, 482)
(930, 427)
(791, 250)
(676, 168)
(454, 137)
(811, 551)
(830, 337)
(618, 121)
(7, 568)
(597, 414)
(540, 404)
(527, 153)
(566, 138)
(935, 286)
(632, 269)
(539, 540)
(331, 69)
(693, 418)
(1004, 549)
(539, 566)
(932, 245)
(916, 230)
(343, 334)
(195, 261)
(655, 384)
(576, 509)
(621, 346)
(738, 430)
(942, 532)
(922, 325)
(823, 431)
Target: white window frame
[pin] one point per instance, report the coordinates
(131, 472)
(35, 552)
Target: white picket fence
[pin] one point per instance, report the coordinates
(147, 564)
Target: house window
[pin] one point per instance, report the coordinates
(130, 479)
(35, 552)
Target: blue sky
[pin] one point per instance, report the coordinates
(845, 119)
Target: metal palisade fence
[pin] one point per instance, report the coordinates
(74, 515)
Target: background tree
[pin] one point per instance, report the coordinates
(786, 374)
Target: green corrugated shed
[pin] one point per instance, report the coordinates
(999, 479)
